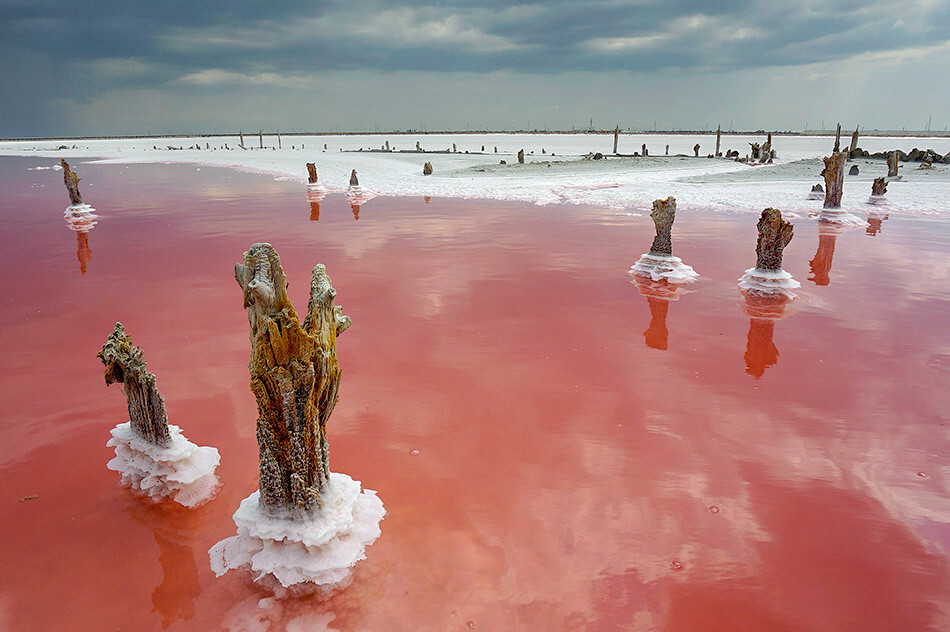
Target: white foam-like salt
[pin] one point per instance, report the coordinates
(837, 216)
(182, 472)
(768, 282)
(661, 266)
(318, 551)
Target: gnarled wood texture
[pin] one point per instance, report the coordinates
(295, 378)
(663, 214)
(311, 173)
(879, 186)
(71, 180)
(124, 363)
(774, 235)
(834, 178)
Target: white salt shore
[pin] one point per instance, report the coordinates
(300, 555)
(182, 472)
(555, 171)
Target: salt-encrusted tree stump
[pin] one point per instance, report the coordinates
(151, 455)
(305, 525)
(878, 189)
(893, 162)
(71, 180)
(659, 263)
(311, 173)
(427, 169)
(833, 174)
(767, 277)
(520, 156)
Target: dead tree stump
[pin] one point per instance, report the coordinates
(838, 139)
(260, 135)
(644, 148)
(879, 186)
(893, 159)
(663, 214)
(616, 137)
(718, 138)
(766, 152)
(354, 181)
(295, 378)
(774, 235)
(696, 150)
(854, 142)
(311, 173)
(241, 133)
(71, 180)
(834, 178)
(520, 156)
(755, 151)
(427, 169)
(124, 363)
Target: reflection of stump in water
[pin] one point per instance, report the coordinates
(659, 294)
(763, 311)
(314, 195)
(874, 223)
(83, 252)
(356, 210)
(821, 264)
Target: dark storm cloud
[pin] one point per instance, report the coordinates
(80, 49)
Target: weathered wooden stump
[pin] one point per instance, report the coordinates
(616, 138)
(71, 180)
(354, 181)
(774, 235)
(696, 150)
(124, 363)
(644, 148)
(295, 378)
(834, 178)
(427, 169)
(311, 173)
(718, 138)
(520, 156)
(853, 171)
(854, 142)
(663, 214)
(893, 159)
(879, 186)
(755, 151)
(765, 154)
(667, 150)
(837, 140)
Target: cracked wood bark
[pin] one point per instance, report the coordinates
(834, 178)
(765, 153)
(124, 363)
(838, 139)
(892, 164)
(71, 180)
(774, 235)
(311, 173)
(879, 186)
(295, 378)
(663, 214)
(854, 141)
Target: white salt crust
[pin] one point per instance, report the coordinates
(81, 217)
(317, 552)
(837, 216)
(356, 194)
(768, 282)
(183, 472)
(667, 267)
(877, 199)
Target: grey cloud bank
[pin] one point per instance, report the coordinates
(117, 67)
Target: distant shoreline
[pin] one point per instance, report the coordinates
(815, 133)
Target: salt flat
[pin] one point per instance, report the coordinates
(555, 171)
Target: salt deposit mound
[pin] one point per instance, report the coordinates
(182, 472)
(768, 282)
(290, 555)
(658, 267)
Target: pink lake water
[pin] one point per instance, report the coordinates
(557, 446)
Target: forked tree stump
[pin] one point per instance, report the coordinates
(774, 234)
(834, 178)
(124, 363)
(71, 180)
(427, 169)
(879, 186)
(295, 378)
(311, 173)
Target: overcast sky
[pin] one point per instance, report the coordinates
(124, 67)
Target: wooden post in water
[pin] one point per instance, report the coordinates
(854, 142)
(878, 187)
(718, 138)
(663, 214)
(260, 134)
(242, 138)
(520, 156)
(834, 178)
(354, 181)
(72, 183)
(774, 234)
(892, 164)
(295, 378)
(616, 137)
(311, 173)
(696, 149)
(427, 169)
(278, 139)
(838, 139)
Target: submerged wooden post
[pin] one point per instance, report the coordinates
(774, 235)
(663, 214)
(520, 156)
(834, 178)
(124, 363)
(892, 164)
(71, 180)
(311, 173)
(354, 181)
(879, 186)
(718, 138)
(295, 378)
(616, 137)
(838, 139)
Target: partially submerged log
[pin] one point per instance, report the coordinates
(663, 214)
(311, 173)
(124, 363)
(774, 234)
(72, 183)
(834, 178)
(427, 169)
(879, 187)
(295, 378)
